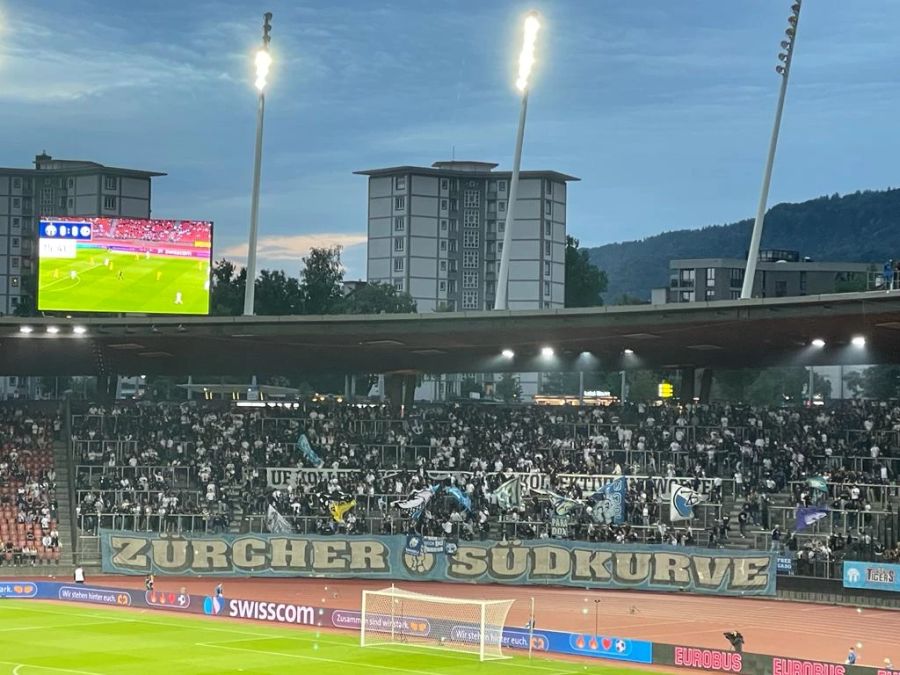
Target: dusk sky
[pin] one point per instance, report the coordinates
(662, 108)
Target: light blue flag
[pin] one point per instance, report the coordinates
(461, 497)
(308, 453)
(609, 502)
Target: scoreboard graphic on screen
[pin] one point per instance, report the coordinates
(134, 265)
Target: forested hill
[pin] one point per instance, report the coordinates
(859, 227)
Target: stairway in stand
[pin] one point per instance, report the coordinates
(64, 505)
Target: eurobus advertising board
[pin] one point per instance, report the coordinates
(124, 265)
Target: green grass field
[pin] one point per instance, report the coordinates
(129, 283)
(46, 638)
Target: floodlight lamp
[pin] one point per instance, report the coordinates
(263, 61)
(526, 56)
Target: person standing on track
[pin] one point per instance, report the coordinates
(148, 582)
(851, 656)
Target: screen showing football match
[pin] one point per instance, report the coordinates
(124, 265)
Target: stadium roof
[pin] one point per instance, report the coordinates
(730, 334)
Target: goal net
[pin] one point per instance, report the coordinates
(393, 616)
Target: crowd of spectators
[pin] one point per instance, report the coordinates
(28, 508)
(165, 231)
(221, 455)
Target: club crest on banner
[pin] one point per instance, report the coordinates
(683, 501)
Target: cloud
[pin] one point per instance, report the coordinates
(293, 247)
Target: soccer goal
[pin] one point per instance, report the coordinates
(395, 616)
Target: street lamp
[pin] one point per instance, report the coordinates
(263, 61)
(526, 62)
(784, 70)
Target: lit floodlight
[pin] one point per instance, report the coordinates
(53, 330)
(818, 343)
(263, 61)
(508, 353)
(526, 56)
(547, 352)
(79, 330)
(628, 352)
(858, 341)
(26, 330)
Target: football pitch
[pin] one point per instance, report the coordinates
(56, 638)
(97, 280)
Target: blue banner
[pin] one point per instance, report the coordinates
(566, 563)
(609, 502)
(872, 576)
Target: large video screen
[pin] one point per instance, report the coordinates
(124, 265)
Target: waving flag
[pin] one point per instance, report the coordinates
(817, 483)
(682, 502)
(561, 504)
(509, 494)
(418, 501)
(277, 523)
(461, 497)
(309, 454)
(609, 502)
(807, 516)
(339, 509)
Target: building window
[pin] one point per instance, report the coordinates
(470, 279)
(110, 182)
(687, 296)
(14, 262)
(470, 259)
(14, 282)
(451, 286)
(687, 277)
(501, 186)
(14, 242)
(710, 276)
(443, 266)
(442, 286)
(490, 288)
(399, 203)
(737, 276)
(548, 229)
(445, 184)
(445, 204)
(451, 265)
(70, 203)
(548, 208)
(17, 183)
(710, 294)
(472, 199)
(16, 222)
(453, 205)
(499, 247)
(547, 268)
(501, 226)
(399, 224)
(802, 283)
(452, 245)
(443, 244)
(546, 289)
(548, 187)
(470, 239)
(16, 203)
(548, 248)
(501, 206)
(443, 226)
(14, 301)
(109, 202)
(735, 295)
(398, 284)
(70, 183)
(470, 219)
(780, 289)
(400, 182)
(398, 264)
(399, 244)
(470, 300)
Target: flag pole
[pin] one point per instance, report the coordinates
(531, 629)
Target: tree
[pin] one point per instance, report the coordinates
(585, 282)
(377, 298)
(322, 277)
(277, 294)
(881, 382)
(769, 386)
(508, 389)
(626, 299)
(227, 295)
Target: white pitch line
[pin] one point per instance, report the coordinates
(56, 670)
(65, 625)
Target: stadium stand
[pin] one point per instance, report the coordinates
(28, 506)
(202, 467)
